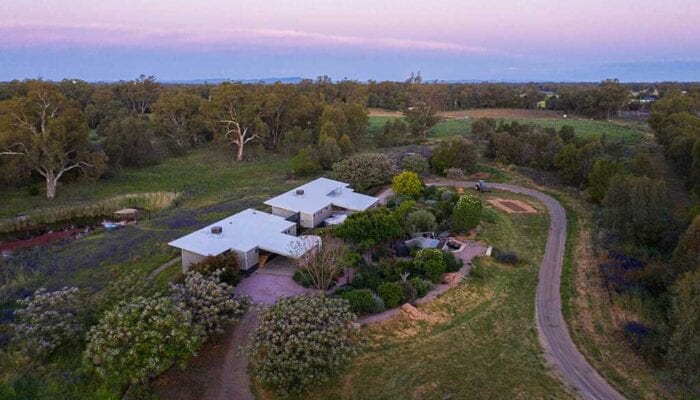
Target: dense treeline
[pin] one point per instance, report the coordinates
(56, 131)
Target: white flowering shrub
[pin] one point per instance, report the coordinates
(210, 301)
(141, 338)
(303, 341)
(46, 321)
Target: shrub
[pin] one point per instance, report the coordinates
(407, 184)
(46, 321)
(301, 342)
(454, 153)
(128, 286)
(361, 301)
(410, 293)
(452, 263)
(422, 286)
(141, 338)
(415, 163)
(454, 174)
(420, 221)
(392, 133)
(430, 263)
(226, 263)
(391, 293)
(369, 228)
(365, 170)
(683, 352)
(302, 278)
(506, 256)
(210, 301)
(467, 213)
(306, 162)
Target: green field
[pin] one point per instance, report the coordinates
(586, 129)
(205, 175)
(376, 123)
(484, 344)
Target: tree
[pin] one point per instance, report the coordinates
(407, 184)
(306, 162)
(467, 213)
(128, 142)
(370, 228)
(237, 109)
(47, 132)
(46, 321)
(139, 94)
(392, 133)
(141, 338)
(420, 221)
(329, 151)
(686, 255)
(638, 208)
(599, 178)
(280, 110)
(454, 153)
(176, 116)
(415, 163)
(321, 265)
(302, 342)
(210, 301)
(483, 128)
(420, 119)
(610, 97)
(365, 170)
(684, 352)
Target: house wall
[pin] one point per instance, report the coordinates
(189, 258)
(282, 212)
(306, 220)
(248, 259)
(322, 214)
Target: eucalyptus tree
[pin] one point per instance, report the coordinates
(47, 132)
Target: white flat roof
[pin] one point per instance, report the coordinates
(243, 232)
(320, 193)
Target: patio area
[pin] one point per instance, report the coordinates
(271, 282)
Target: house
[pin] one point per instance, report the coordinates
(318, 200)
(251, 234)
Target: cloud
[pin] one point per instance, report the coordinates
(35, 35)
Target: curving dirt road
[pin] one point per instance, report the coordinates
(553, 332)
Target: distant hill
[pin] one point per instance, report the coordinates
(267, 81)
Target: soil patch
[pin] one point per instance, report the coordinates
(380, 112)
(9, 247)
(512, 206)
(507, 113)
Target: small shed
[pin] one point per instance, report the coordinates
(127, 214)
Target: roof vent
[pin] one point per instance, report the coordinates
(216, 230)
(300, 192)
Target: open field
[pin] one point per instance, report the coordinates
(484, 344)
(204, 176)
(380, 112)
(613, 130)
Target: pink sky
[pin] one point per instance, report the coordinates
(591, 31)
(518, 28)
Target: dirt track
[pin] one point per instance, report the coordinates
(554, 335)
(553, 332)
